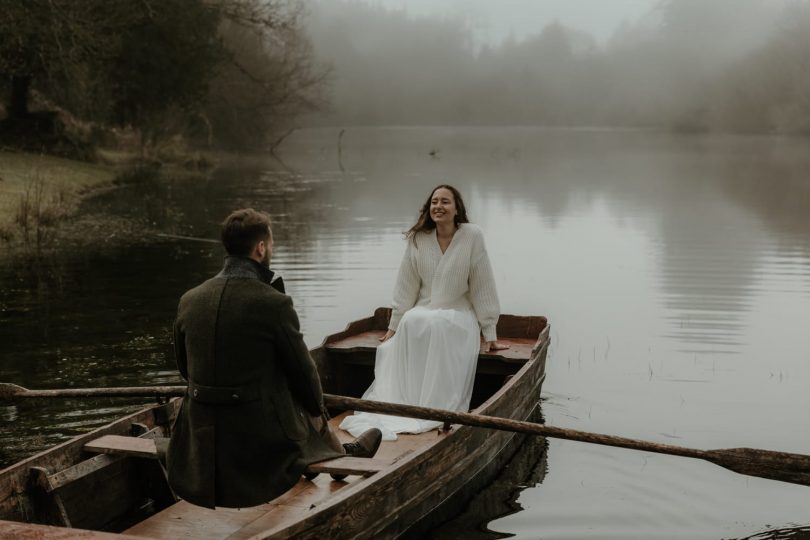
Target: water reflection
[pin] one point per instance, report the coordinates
(675, 271)
(499, 499)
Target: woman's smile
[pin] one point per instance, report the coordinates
(442, 205)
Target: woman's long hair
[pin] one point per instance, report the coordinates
(425, 223)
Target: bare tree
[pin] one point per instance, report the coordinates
(240, 68)
(269, 76)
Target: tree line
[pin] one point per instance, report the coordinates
(239, 74)
(691, 65)
(226, 73)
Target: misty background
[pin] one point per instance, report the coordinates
(687, 65)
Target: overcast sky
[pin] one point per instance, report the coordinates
(493, 20)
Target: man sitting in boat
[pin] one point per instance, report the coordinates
(253, 417)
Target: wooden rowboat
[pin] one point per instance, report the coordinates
(96, 484)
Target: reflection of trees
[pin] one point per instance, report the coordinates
(769, 177)
(710, 269)
(539, 168)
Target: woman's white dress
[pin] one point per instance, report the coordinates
(444, 301)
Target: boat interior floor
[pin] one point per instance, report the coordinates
(185, 520)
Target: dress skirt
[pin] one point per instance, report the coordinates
(429, 362)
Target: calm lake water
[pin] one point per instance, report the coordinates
(675, 272)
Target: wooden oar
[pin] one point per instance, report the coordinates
(10, 392)
(783, 466)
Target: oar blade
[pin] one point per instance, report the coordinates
(782, 466)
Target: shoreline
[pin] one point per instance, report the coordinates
(39, 191)
(41, 197)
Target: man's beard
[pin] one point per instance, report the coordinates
(266, 260)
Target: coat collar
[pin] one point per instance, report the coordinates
(245, 267)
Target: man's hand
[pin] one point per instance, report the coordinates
(388, 335)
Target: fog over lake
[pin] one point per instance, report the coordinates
(493, 22)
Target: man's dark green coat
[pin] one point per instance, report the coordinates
(243, 435)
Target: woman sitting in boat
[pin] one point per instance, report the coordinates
(444, 299)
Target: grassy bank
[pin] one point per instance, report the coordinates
(38, 189)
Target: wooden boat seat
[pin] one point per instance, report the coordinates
(519, 351)
(360, 348)
(126, 446)
(52, 481)
(151, 448)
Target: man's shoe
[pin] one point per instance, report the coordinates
(365, 445)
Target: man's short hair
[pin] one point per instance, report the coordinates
(243, 229)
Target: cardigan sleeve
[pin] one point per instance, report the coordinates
(406, 289)
(483, 294)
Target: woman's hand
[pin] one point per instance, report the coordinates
(388, 336)
(490, 346)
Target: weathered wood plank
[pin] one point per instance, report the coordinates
(122, 445)
(80, 470)
(350, 465)
(106, 497)
(25, 531)
(521, 326)
(145, 448)
(51, 502)
(356, 327)
(520, 349)
(185, 520)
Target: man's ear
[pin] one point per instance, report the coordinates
(257, 253)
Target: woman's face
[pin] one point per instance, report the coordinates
(443, 206)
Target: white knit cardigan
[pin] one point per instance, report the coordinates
(458, 279)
